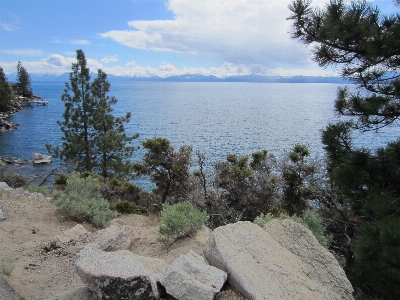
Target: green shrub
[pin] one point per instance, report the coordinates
(179, 220)
(37, 189)
(61, 179)
(126, 207)
(82, 200)
(309, 219)
(7, 266)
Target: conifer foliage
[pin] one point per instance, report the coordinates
(23, 79)
(5, 93)
(93, 139)
(365, 45)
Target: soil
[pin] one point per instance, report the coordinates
(42, 271)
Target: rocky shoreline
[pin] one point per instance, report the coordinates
(7, 125)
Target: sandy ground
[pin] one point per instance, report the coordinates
(44, 272)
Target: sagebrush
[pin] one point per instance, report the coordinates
(179, 220)
(7, 266)
(82, 200)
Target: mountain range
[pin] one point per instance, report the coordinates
(197, 78)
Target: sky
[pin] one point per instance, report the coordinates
(157, 37)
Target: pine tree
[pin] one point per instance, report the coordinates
(93, 139)
(5, 93)
(23, 79)
(77, 128)
(110, 141)
(365, 46)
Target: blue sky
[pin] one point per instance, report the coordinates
(156, 37)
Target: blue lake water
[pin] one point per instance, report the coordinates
(215, 118)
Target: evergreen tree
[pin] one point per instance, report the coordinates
(248, 189)
(23, 79)
(365, 46)
(168, 169)
(77, 127)
(299, 177)
(93, 139)
(5, 93)
(110, 140)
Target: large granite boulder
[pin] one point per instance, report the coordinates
(112, 238)
(189, 277)
(119, 275)
(322, 265)
(261, 268)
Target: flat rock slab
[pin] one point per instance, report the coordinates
(112, 238)
(72, 234)
(41, 159)
(259, 267)
(189, 277)
(115, 276)
(322, 265)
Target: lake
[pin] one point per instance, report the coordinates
(215, 118)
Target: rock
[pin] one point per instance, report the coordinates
(2, 213)
(112, 238)
(323, 266)
(189, 277)
(259, 267)
(154, 267)
(72, 234)
(115, 275)
(4, 186)
(7, 125)
(41, 159)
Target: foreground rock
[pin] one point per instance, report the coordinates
(2, 213)
(73, 234)
(112, 238)
(189, 277)
(261, 268)
(118, 275)
(322, 265)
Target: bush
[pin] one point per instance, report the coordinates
(82, 200)
(37, 189)
(179, 220)
(13, 180)
(309, 219)
(61, 179)
(7, 266)
(126, 207)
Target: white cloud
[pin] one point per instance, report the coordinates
(57, 64)
(12, 24)
(23, 52)
(54, 64)
(240, 31)
(73, 42)
(130, 64)
(8, 26)
(80, 42)
(109, 59)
